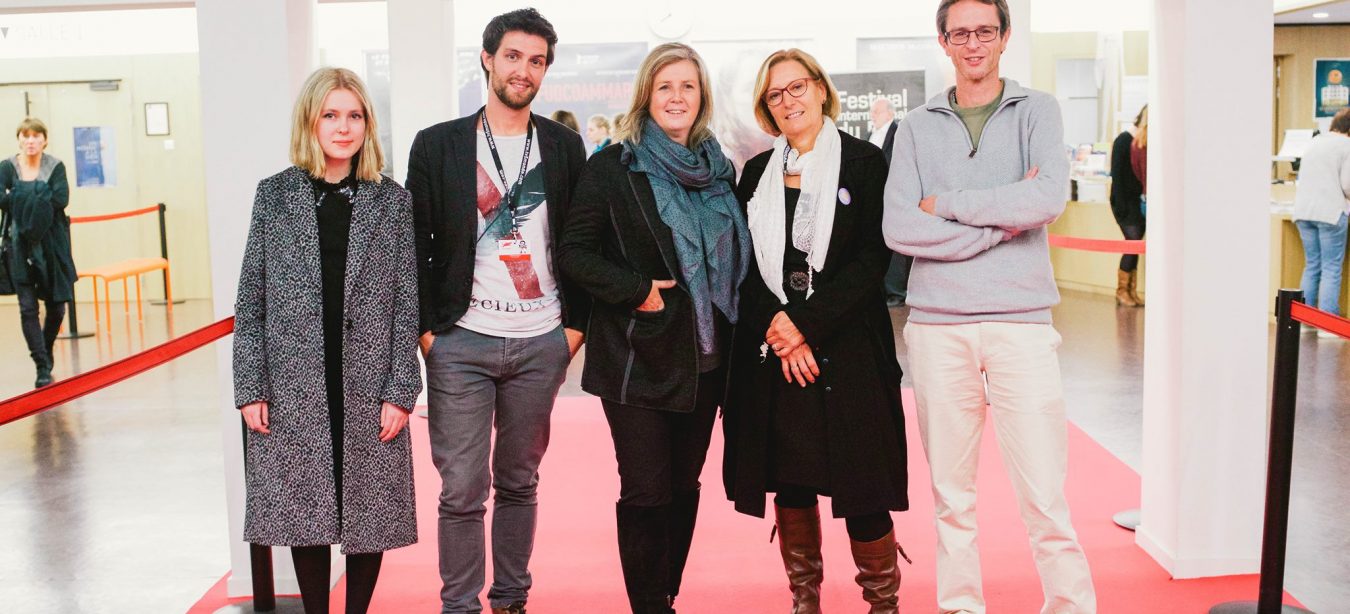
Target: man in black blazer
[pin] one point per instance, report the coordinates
(883, 136)
(499, 325)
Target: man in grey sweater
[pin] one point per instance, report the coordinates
(976, 175)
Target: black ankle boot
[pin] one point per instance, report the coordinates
(644, 551)
(44, 372)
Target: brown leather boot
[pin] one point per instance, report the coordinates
(799, 542)
(878, 574)
(1123, 297)
(1134, 294)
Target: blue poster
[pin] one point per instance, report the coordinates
(95, 157)
(1331, 91)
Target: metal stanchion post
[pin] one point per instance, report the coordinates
(164, 253)
(1279, 468)
(73, 331)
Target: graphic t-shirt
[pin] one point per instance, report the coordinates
(514, 293)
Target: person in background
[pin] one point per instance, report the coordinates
(499, 325)
(325, 348)
(1127, 203)
(566, 118)
(1320, 206)
(597, 131)
(814, 402)
(883, 136)
(978, 173)
(33, 198)
(658, 239)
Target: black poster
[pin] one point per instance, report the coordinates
(857, 92)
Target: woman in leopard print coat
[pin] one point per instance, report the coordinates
(325, 344)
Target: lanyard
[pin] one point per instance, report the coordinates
(510, 195)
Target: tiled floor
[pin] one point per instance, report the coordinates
(116, 502)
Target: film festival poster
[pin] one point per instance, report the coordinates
(585, 80)
(857, 92)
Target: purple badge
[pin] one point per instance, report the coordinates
(845, 197)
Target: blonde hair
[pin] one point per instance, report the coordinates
(599, 121)
(31, 124)
(830, 108)
(1141, 139)
(629, 126)
(306, 152)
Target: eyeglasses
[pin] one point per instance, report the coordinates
(984, 34)
(774, 97)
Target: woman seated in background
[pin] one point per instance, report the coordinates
(325, 347)
(814, 406)
(35, 231)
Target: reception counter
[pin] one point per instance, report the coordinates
(1096, 272)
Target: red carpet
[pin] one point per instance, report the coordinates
(734, 568)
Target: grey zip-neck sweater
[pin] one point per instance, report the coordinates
(984, 256)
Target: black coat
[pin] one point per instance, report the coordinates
(36, 210)
(613, 246)
(848, 326)
(1125, 186)
(442, 176)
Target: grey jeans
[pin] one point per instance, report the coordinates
(476, 382)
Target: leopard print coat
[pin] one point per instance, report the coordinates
(278, 358)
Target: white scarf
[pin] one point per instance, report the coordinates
(814, 218)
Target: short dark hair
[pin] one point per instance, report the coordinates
(1341, 123)
(526, 20)
(1004, 19)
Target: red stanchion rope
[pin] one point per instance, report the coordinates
(64, 391)
(113, 216)
(1321, 319)
(1117, 246)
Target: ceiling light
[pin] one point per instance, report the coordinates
(1321, 15)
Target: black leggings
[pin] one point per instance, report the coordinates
(865, 528)
(313, 568)
(1129, 262)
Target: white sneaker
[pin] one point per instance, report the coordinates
(1326, 334)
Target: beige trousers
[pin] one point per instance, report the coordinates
(950, 365)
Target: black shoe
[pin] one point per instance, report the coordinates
(517, 607)
(644, 553)
(44, 376)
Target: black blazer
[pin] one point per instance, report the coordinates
(613, 246)
(889, 143)
(1125, 186)
(442, 177)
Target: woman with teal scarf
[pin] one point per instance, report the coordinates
(657, 236)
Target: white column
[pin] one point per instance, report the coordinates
(1016, 61)
(421, 71)
(254, 56)
(1205, 350)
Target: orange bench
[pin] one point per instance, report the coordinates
(134, 267)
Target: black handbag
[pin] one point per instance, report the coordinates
(6, 281)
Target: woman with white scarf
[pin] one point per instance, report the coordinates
(814, 401)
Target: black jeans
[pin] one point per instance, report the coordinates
(39, 337)
(897, 276)
(661, 453)
(1129, 262)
